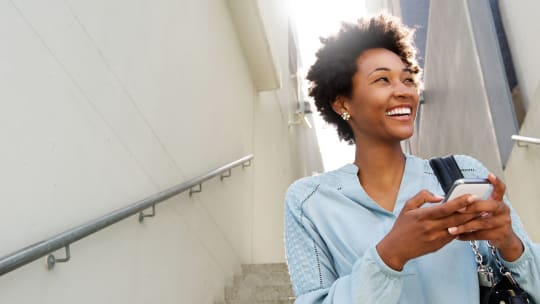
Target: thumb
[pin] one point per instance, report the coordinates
(420, 199)
(499, 188)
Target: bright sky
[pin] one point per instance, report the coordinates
(316, 18)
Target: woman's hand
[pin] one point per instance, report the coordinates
(494, 223)
(418, 231)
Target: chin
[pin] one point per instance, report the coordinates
(404, 135)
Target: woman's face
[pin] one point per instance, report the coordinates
(384, 97)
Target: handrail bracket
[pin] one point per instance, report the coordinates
(223, 175)
(52, 260)
(142, 215)
(521, 144)
(191, 191)
(524, 141)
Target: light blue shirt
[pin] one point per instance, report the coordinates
(333, 226)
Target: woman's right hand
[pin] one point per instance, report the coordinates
(418, 231)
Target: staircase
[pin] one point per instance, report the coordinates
(260, 284)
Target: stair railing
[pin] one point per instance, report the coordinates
(523, 141)
(35, 251)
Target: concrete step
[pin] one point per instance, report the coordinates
(262, 278)
(265, 268)
(291, 301)
(259, 293)
(261, 284)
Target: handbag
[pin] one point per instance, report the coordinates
(501, 289)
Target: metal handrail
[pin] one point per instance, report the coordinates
(33, 252)
(524, 139)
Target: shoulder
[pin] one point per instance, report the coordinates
(470, 166)
(302, 189)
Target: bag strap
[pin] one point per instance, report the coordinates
(447, 171)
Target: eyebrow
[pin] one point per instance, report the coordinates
(387, 69)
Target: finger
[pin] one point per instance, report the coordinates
(454, 220)
(450, 207)
(499, 188)
(440, 236)
(489, 234)
(482, 223)
(486, 206)
(471, 236)
(444, 237)
(421, 198)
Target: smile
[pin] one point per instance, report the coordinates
(399, 111)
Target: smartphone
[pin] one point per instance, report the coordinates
(477, 186)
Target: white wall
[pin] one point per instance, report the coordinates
(284, 153)
(107, 102)
(520, 19)
(523, 172)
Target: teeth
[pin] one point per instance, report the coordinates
(399, 111)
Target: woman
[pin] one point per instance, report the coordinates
(369, 231)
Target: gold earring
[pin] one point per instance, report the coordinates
(345, 116)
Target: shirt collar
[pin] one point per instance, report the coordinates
(410, 184)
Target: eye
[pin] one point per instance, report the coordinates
(410, 81)
(384, 79)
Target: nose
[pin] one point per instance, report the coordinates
(403, 90)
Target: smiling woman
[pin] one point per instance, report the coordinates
(365, 233)
(345, 73)
(383, 93)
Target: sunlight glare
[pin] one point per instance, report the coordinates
(314, 19)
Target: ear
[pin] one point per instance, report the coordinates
(340, 105)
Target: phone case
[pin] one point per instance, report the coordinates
(478, 187)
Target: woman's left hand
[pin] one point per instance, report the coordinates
(493, 223)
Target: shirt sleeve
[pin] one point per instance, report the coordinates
(311, 268)
(526, 269)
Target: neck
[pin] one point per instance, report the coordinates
(379, 160)
(381, 171)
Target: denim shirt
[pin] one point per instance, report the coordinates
(333, 226)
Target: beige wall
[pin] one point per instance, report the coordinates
(523, 172)
(520, 19)
(284, 152)
(107, 102)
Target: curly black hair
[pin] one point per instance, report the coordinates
(331, 74)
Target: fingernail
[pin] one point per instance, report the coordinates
(491, 175)
(452, 230)
(472, 198)
(438, 197)
(485, 214)
(462, 209)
